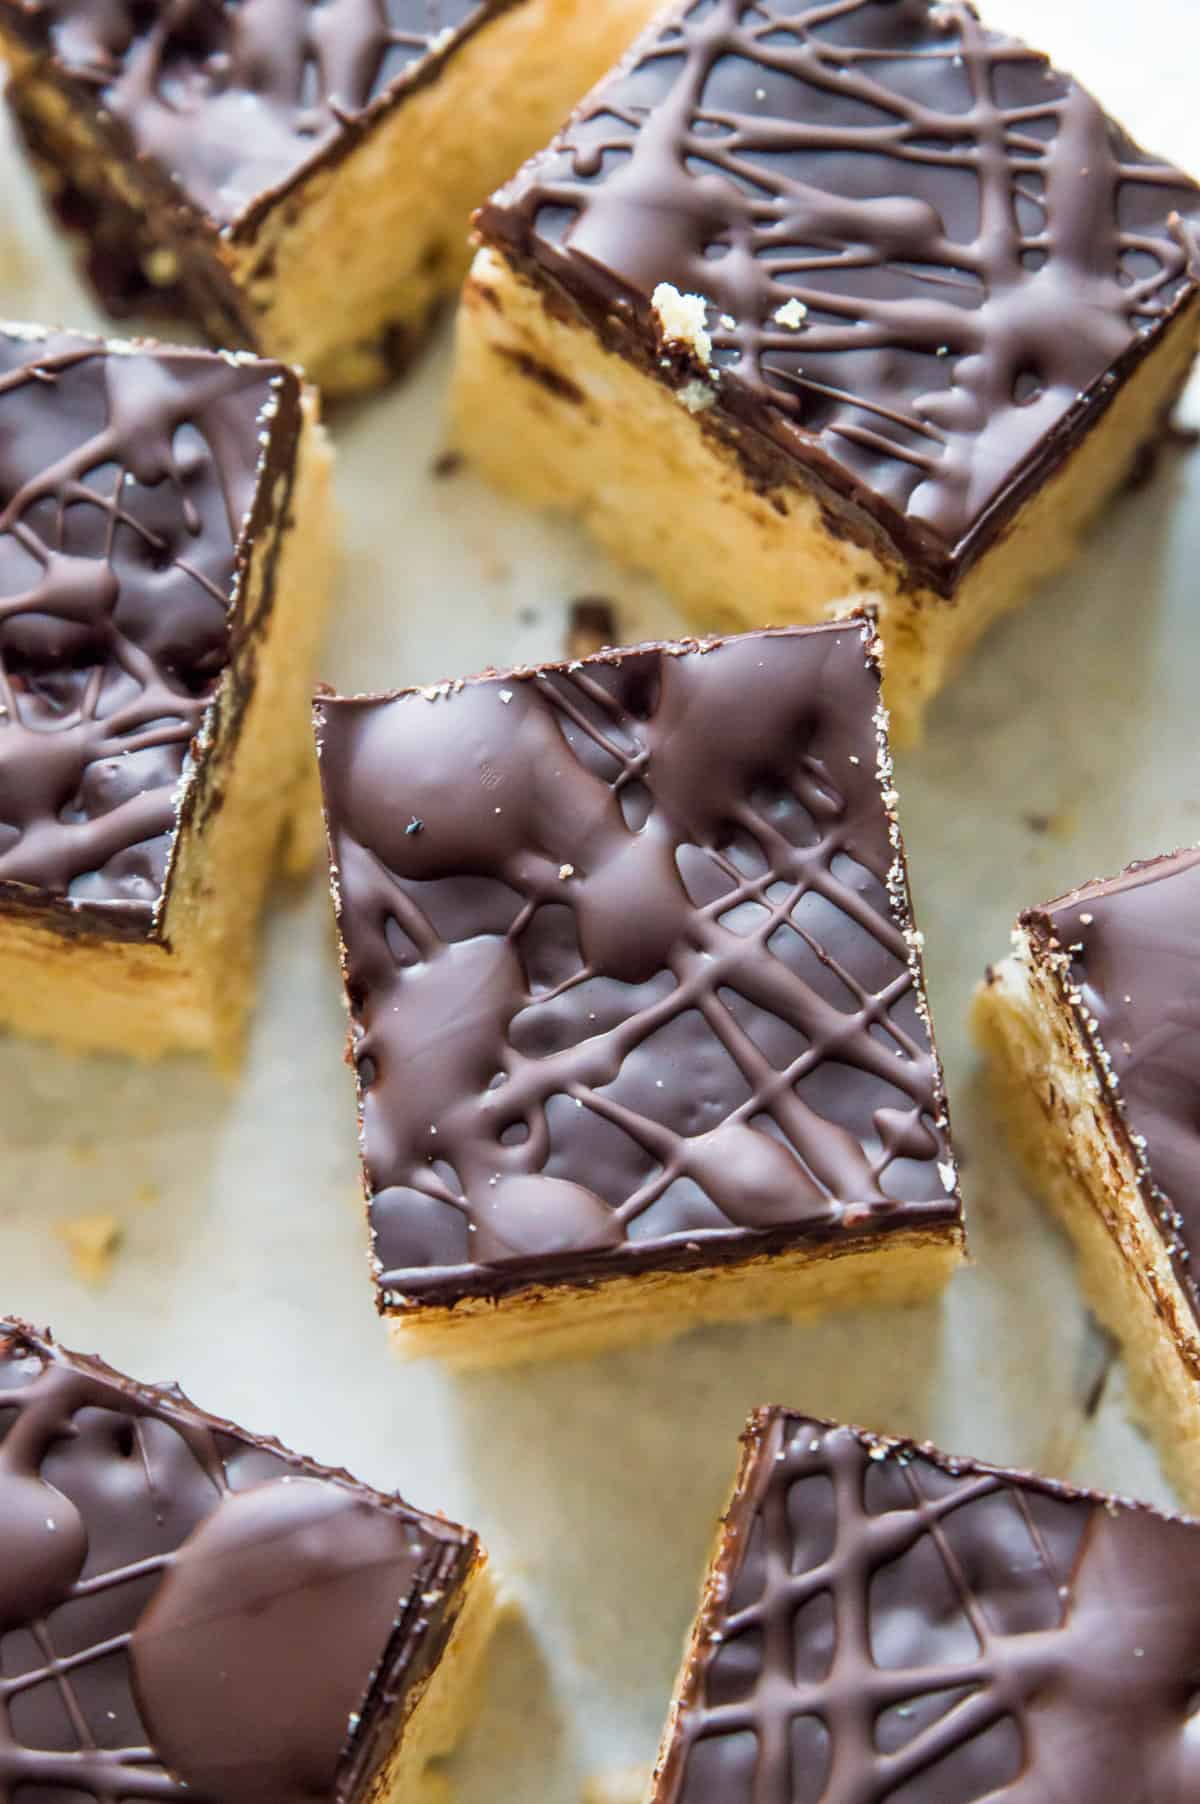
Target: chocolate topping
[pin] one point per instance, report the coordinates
(236, 102)
(629, 955)
(131, 485)
(1128, 953)
(928, 257)
(189, 1611)
(884, 1625)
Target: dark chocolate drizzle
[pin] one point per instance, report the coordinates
(235, 99)
(980, 250)
(886, 1626)
(629, 954)
(128, 480)
(1127, 952)
(187, 1611)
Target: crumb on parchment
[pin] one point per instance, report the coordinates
(92, 1242)
(628, 1785)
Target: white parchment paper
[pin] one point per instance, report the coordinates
(1068, 748)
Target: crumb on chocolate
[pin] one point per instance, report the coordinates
(683, 320)
(793, 314)
(697, 397)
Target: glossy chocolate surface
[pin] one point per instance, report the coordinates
(928, 257)
(629, 955)
(1128, 951)
(130, 487)
(187, 1611)
(233, 102)
(884, 1625)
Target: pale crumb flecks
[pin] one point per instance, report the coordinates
(92, 1242)
(697, 397)
(792, 314)
(683, 320)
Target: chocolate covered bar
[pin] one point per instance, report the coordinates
(164, 575)
(189, 1611)
(809, 304)
(1092, 1028)
(883, 1622)
(638, 1015)
(295, 179)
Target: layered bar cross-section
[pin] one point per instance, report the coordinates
(1093, 1031)
(165, 552)
(882, 1622)
(295, 179)
(638, 1012)
(810, 304)
(190, 1611)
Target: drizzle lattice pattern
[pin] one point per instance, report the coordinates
(187, 1610)
(124, 481)
(185, 72)
(701, 1015)
(912, 180)
(78, 1452)
(881, 1627)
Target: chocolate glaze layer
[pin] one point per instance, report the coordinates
(978, 254)
(1127, 952)
(629, 955)
(187, 1611)
(884, 1625)
(132, 485)
(234, 103)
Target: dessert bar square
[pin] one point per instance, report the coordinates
(809, 304)
(638, 1014)
(164, 575)
(295, 179)
(188, 1610)
(883, 1622)
(1092, 1028)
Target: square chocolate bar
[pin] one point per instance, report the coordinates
(164, 576)
(812, 303)
(188, 1611)
(1093, 1031)
(881, 1622)
(638, 1011)
(294, 178)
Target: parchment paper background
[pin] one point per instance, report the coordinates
(1068, 748)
